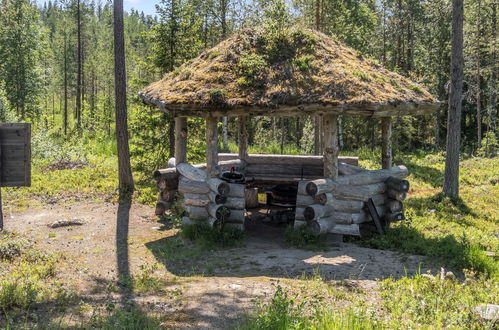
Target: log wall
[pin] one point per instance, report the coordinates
(339, 207)
(324, 205)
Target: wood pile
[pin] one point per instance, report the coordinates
(339, 207)
(210, 201)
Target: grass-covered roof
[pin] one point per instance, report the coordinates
(292, 71)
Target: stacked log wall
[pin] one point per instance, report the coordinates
(210, 201)
(339, 207)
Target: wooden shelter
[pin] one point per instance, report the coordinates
(294, 72)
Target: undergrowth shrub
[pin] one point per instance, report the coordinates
(18, 292)
(123, 319)
(11, 246)
(437, 301)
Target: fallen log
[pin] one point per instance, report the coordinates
(302, 188)
(236, 203)
(191, 172)
(196, 212)
(323, 198)
(347, 192)
(209, 222)
(219, 212)
(321, 226)
(354, 230)
(397, 195)
(219, 186)
(186, 186)
(302, 200)
(394, 217)
(397, 184)
(216, 198)
(171, 163)
(196, 200)
(236, 190)
(369, 177)
(320, 186)
(347, 218)
(223, 165)
(374, 188)
(299, 214)
(379, 199)
(394, 206)
(347, 169)
(316, 211)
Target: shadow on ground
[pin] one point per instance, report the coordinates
(266, 254)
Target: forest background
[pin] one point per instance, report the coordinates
(57, 68)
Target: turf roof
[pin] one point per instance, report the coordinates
(296, 71)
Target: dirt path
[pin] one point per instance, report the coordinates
(209, 289)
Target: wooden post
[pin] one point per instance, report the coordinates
(180, 140)
(211, 147)
(386, 143)
(330, 137)
(243, 137)
(1, 211)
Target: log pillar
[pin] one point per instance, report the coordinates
(386, 142)
(243, 137)
(180, 140)
(330, 137)
(211, 146)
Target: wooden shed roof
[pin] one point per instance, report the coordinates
(296, 71)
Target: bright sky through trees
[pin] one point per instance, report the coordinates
(147, 6)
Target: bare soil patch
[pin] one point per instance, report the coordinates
(207, 289)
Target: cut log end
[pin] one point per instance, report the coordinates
(224, 189)
(311, 189)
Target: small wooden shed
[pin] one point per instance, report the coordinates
(293, 72)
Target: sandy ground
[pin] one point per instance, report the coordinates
(209, 289)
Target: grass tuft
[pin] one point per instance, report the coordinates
(302, 238)
(209, 237)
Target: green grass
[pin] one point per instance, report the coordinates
(94, 176)
(28, 278)
(210, 238)
(302, 238)
(424, 301)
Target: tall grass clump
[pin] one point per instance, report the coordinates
(302, 238)
(209, 237)
(283, 313)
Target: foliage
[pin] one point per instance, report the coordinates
(20, 50)
(489, 146)
(210, 238)
(123, 319)
(250, 67)
(28, 277)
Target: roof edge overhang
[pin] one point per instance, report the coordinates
(375, 110)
